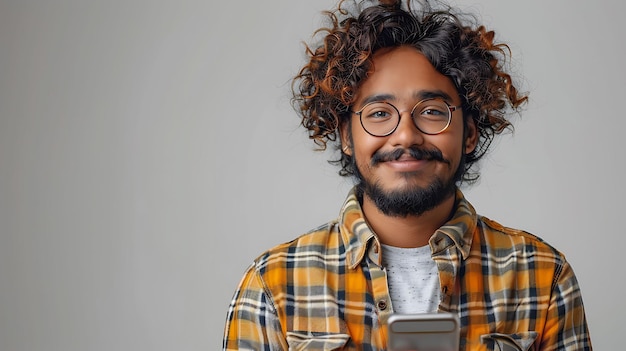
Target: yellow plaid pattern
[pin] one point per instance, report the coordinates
(327, 290)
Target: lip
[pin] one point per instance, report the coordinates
(407, 164)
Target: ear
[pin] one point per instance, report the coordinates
(471, 135)
(346, 144)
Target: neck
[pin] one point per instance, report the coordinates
(409, 231)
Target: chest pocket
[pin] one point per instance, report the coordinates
(304, 341)
(509, 342)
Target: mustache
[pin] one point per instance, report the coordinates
(414, 152)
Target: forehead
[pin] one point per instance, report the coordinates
(403, 74)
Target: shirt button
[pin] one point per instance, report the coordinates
(382, 305)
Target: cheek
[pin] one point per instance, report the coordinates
(454, 149)
(455, 141)
(366, 145)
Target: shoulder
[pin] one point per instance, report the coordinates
(308, 259)
(496, 237)
(320, 245)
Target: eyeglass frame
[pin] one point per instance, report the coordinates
(451, 109)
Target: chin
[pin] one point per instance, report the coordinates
(408, 199)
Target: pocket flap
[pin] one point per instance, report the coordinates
(522, 341)
(305, 341)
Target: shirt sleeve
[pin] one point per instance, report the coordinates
(566, 325)
(252, 322)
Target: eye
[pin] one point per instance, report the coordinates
(378, 112)
(434, 112)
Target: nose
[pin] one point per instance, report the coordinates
(407, 133)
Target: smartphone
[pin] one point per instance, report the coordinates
(423, 332)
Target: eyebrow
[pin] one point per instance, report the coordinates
(432, 94)
(419, 95)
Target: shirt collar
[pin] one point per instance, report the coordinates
(358, 236)
(458, 230)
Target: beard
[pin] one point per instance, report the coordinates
(411, 200)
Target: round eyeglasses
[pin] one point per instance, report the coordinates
(430, 116)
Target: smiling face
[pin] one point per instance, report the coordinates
(407, 172)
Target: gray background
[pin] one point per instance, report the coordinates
(148, 151)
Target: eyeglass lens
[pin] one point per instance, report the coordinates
(382, 118)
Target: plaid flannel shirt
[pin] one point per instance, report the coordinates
(327, 290)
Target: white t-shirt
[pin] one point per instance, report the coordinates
(413, 279)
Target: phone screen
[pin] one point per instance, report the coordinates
(423, 332)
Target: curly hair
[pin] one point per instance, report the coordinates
(324, 89)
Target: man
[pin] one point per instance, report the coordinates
(412, 98)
